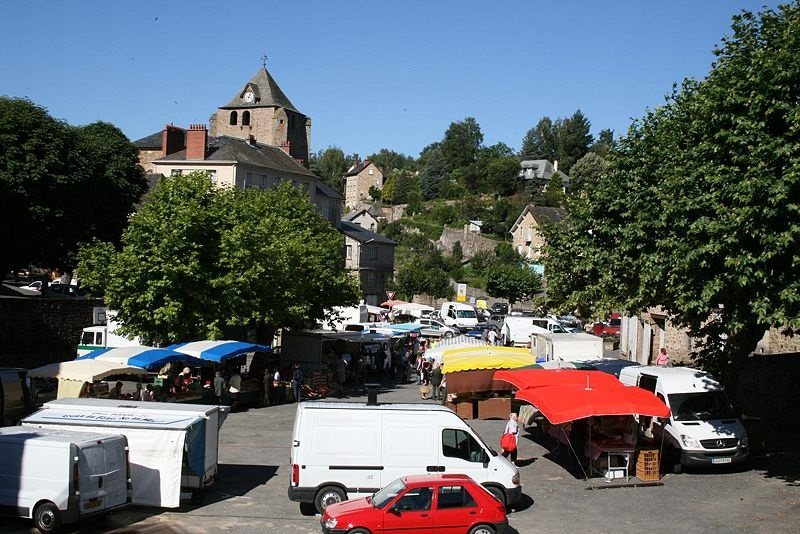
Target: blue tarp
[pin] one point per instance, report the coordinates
(145, 357)
(216, 351)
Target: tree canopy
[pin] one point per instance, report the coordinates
(331, 165)
(698, 211)
(197, 261)
(61, 185)
(513, 282)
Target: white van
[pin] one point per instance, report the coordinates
(517, 329)
(702, 428)
(458, 315)
(56, 476)
(104, 336)
(346, 450)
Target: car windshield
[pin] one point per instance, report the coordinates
(87, 338)
(466, 314)
(388, 493)
(702, 406)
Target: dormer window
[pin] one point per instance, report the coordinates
(245, 118)
(234, 118)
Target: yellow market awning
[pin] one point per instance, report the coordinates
(485, 357)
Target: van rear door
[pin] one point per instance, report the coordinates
(102, 472)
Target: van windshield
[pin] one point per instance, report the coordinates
(388, 493)
(466, 314)
(87, 338)
(701, 406)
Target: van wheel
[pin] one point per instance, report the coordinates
(47, 518)
(481, 529)
(327, 496)
(498, 494)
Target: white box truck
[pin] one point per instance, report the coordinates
(56, 476)
(703, 428)
(102, 336)
(172, 446)
(345, 450)
(566, 347)
(517, 329)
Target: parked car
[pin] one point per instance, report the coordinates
(434, 328)
(478, 331)
(500, 308)
(496, 319)
(420, 503)
(609, 328)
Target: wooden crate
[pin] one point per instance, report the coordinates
(497, 408)
(466, 409)
(647, 465)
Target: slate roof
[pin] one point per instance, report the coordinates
(368, 208)
(358, 168)
(362, 235)
(267, 94)
(151, 141)
(226, 148)
(326, 191)
(542, 214)
(541, 170)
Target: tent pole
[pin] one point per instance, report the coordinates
(585, 476)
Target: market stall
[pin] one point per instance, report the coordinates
(590, 411)
(74, 375)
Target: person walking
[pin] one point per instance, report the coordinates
(297, 382)
(443, 389)
(234, 388)
(219, 386)
(436, 381)
(512, 429)
(663, 358)
(492, 336)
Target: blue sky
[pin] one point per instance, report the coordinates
(370, 74)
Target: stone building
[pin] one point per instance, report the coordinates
(370, 257)
(262, 111)
(358, 179)
(366, 216)
(527, 240)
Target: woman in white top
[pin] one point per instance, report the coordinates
(512, 427)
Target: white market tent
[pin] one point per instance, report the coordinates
(410, 308)
(72, 374)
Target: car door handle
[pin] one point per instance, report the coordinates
(473, 513)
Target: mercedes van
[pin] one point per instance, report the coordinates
(344, 450)
(59, 476)
(703, 428)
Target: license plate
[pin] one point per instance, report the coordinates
(93, 503)
(721, 460)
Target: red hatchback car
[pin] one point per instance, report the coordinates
(422, 504)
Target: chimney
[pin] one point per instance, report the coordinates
(252, 140)
(286, 146)
(196, 142)
(555, 166)
(173, 139)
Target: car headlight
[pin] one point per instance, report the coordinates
(744, 442)
(330, 523)
(515, 479)
(690, 443)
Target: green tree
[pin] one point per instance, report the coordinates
(197, 261)
(574, 140)
(586, 171)
(461, 143)
(513, 283)
(542, 141)
(61, 185)
(331, 165)
(433, 174)
(388, 160)
(426, 275)
(553, 194)
(506, 255)
(696, 213)
(604, 143)
(498, 169)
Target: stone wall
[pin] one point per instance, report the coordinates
(36, 331)
(471, 243)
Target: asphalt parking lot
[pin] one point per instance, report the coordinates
(250, 493)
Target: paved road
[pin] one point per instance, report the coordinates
(250, 494)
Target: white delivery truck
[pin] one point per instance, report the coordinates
(459, 315)
(172, 446)
(703, 428)
(566, 347)
(345, 450)
(56, 476)
(106, 335)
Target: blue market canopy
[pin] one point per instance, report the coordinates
(216, 351)
(403, 328)
(141, 356)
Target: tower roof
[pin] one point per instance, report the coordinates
(266, 93)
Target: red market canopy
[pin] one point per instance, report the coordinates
(389, 303)
(567, 395)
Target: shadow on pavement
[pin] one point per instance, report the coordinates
(235, 480)
(524, 503)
